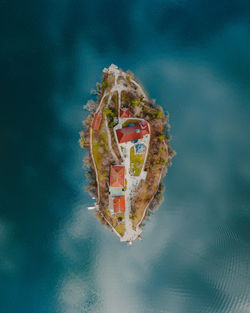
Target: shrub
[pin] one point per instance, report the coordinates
(109, 112)
(135, 102)
(162, 162)
(159, 114)
(161, 136)
(104, 84)
(111, 124)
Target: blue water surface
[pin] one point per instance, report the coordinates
(193, 58)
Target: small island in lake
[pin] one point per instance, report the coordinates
(127, 137)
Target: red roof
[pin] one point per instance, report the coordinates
(124, 112)
(117, 175)
(132, 132)
(96, 121)
(119, 204)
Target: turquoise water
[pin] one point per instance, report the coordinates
(54, 256)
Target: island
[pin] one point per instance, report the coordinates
(127, 138)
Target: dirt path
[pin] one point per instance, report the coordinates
(109, 142)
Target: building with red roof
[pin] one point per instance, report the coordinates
(119, 204)
(96, 121)
(117, 176)
(124, 112)
(132, 132)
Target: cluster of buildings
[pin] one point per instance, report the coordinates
(117, 188)
(131, 133)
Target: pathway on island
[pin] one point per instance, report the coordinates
(132, 181)
(109, 141)
(130, 234)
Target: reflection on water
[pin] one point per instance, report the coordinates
(194, 256)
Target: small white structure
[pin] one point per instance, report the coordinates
(112, 69)
(94, 207)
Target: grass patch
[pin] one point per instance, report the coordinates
(99, 146)
(120, 229)
(135, 102)
(136, 162)
(125, 124)
(104, 138)
(95, 148)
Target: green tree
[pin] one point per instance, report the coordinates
(159, 114)
(109, 112)
(135, 102)
(104, 84)
(161, 136)
(111, 124)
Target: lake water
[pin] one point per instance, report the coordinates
(193, 58)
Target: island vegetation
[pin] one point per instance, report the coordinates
(119, 91)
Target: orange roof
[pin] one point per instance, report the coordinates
(132, 132)
(117, 174)
(96, 121)
(119, 204)
(124, 112)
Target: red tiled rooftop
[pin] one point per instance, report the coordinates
(124, 112)
(132, 132)
(96, 121)
(119, 204)
(117, 176)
